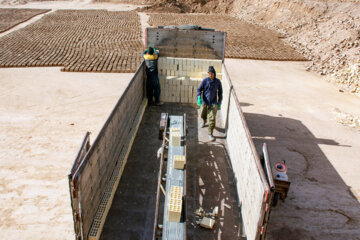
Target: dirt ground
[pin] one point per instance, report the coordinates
(44, 114)
(296, 114)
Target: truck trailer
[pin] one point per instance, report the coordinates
(151, 172)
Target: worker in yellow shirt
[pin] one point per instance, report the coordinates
(151, 56)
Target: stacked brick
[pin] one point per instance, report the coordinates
(78, 40)
(244, 40)
(175, 204)
(10, 17)
(180, 77)
(175, 137)
(179, 161)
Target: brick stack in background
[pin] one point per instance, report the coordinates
(180, 77)
(10, 17)
(243, 40)
(78, 41)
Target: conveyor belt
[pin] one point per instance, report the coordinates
(174, 177)
(209, 177)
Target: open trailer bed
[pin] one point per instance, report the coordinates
(116, 185)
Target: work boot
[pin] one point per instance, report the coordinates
(159, 103)
(211, 137)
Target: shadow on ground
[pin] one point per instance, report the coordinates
(319, 204)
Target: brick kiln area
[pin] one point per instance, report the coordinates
(10, 17)
(243, 40)
(77, 40)
(111, 41)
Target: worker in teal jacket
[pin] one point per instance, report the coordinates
(151, 56)
(210, 95)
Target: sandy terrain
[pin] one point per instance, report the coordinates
(297, 115)
(44, 116)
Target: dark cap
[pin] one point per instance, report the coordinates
(211, 69)
(151, 50)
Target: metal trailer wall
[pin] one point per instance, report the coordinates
(90, 178)
(251, 183)
(187, 43)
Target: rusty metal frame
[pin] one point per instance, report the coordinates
(267, 169)
(73, 187)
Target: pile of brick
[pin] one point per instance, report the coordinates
(244, 40)
(180, 77)
(78, 40)
(175, 204)
(10, 17)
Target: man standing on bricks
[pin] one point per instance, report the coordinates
(210, 95)
(151, 56)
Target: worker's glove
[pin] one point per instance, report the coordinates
(199, 102)
(219, 106)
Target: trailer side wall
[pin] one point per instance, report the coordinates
(96, 168)
(249, 177)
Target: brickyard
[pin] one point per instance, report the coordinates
(10, 17)
(45, 113)
(77, 40)
(104, 41)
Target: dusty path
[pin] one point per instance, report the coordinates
(44, 114)
(295, 113)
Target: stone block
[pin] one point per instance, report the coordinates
(207, 222)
